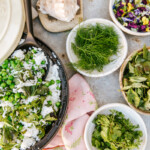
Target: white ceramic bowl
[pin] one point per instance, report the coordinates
(118, 59)
(111, 3)
(134, 117)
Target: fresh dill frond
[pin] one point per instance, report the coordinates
(94, 45)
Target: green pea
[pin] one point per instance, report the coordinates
(47, 84)
(9, 82)
(23, 96)
(58, 88)
(39, 80)
(33, 68)
(58, 81)
(21, 63)
(4, 74)
(34, 51)
(33, 61)
(12, 85)
(27, 61)
(40, 117)
(8, 93)
(42, 71)
(52, 82)
(49, 103)
(6, 98)
(13, 65)
(20, 127)
(43, 62)
(3, 70)
(9, 118)
(10, 77)
(5, 78)
(3, 85)
(21, 137)
(17, 95)
(6, 61)
(17, 61)
(11, 98)
(57, 104)
(4, 66)
(50, 93)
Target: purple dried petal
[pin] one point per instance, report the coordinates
(127, 19)
(142, 8)
(119, 13)
(131, 15)
(144, 2)
(142, 28)
(137, 12)
(133, 25)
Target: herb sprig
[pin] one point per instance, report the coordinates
(115, 132)
(94, 45)
(136, 80)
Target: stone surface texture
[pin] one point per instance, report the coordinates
(106, 89)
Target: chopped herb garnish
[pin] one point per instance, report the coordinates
(94, 45)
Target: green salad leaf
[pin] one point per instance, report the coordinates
(136, 80)
(115, 132)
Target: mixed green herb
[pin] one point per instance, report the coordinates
(115, 132)
(28, 104)
(136, 80)
(94, 46)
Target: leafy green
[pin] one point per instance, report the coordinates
(94, 45)
(136, 80)
(115, 132)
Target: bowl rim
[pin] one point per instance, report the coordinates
(96, 20)
(111, 2)
(121, 73)
(107, 106)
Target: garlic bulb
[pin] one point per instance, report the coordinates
(64, 10)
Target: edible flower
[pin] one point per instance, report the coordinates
(147, 29)
(145, 20)
(133, 14)
(130, 7)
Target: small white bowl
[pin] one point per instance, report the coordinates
(118, 59)
(111, 3)
(134, 117)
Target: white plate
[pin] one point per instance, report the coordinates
(118, 59)
(12, 20)
(134, 117)
(111, 3)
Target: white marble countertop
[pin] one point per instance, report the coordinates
(106, 89)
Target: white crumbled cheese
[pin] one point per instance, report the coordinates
(26, 125)
(27, 142)
(34, 110)
(19, 54)
(32, 132)
(25, 75)
(1, 124)
(27, 66)
(4, 105)
(14, 148)
(46, 110)
(39, 74)
(20, 90)
(30, 99)
(27, 83)
(39, 57)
